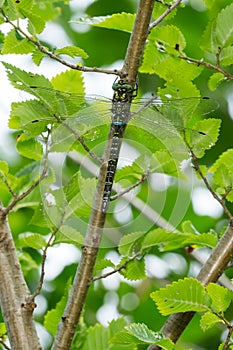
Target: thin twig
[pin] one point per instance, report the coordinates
(143, 178)
(41, 281)
(118, 269)
(9, 188)
(197, 168)
(207, 65)
(80, 139)
(165, 14)
(57, 58)
(4, 344)
(36, 183)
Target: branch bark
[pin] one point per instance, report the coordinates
(84, 272)
(16, 301)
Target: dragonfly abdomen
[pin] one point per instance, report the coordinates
(111, 170)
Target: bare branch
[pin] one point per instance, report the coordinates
(165, 14)
(130, 188)
(41, 281)
(57, 58)
(207, 65)
(35, 184)
(15, 299)
(4, 344)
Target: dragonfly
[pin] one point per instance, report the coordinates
(74, 118)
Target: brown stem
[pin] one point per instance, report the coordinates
(55, 57)
(83, 275)
(40, 284)
(16, 303)
(36, 183)
(207, 65)
(122, 193)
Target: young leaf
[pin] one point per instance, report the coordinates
(223, 173)
(70, 81)
(129, 242)
(3, 330)
(119, 21)
(207, 136)
(208, 320)
(68, 234)
(21, 79)
(182, 296)
(53, 317)
(97, 338)
(170, 37)
(29, 147)
(224, 27)
(32, 240)
(16, 44)
(221, 297)
(135, 270)
(143, 333)
(214, 80)
(72, 51)
(226, 56)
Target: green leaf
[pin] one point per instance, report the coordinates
(143, 333)
(31, 240)
(182, 296)
(160, 237)
(29, 148)
(221, 297)
(37, 56)
(36, 24)
(53, 317)
(70, 81)
(128, 243)
(163, 162)
(17, 9)
(207, 136)
(226, 56)
(29, 116)
(224, 27)
(223, 173)
(208, 40)
(16, 44)
(4, 168)
(208, 320)
(40, 217)
(160, 8)
(214, 80)
(97, 338)
(119, 21)
(22, 80)
(72, 51)
(27, 262)
(170, 37)
(135, 270)
(137, 333)
(68, 234)
(103, 263)
(3, 330)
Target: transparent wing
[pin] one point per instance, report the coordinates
(170, 121)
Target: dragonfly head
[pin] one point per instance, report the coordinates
(123, 91)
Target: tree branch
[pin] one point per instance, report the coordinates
(55, 57)
(15, 299)
(83, 276)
